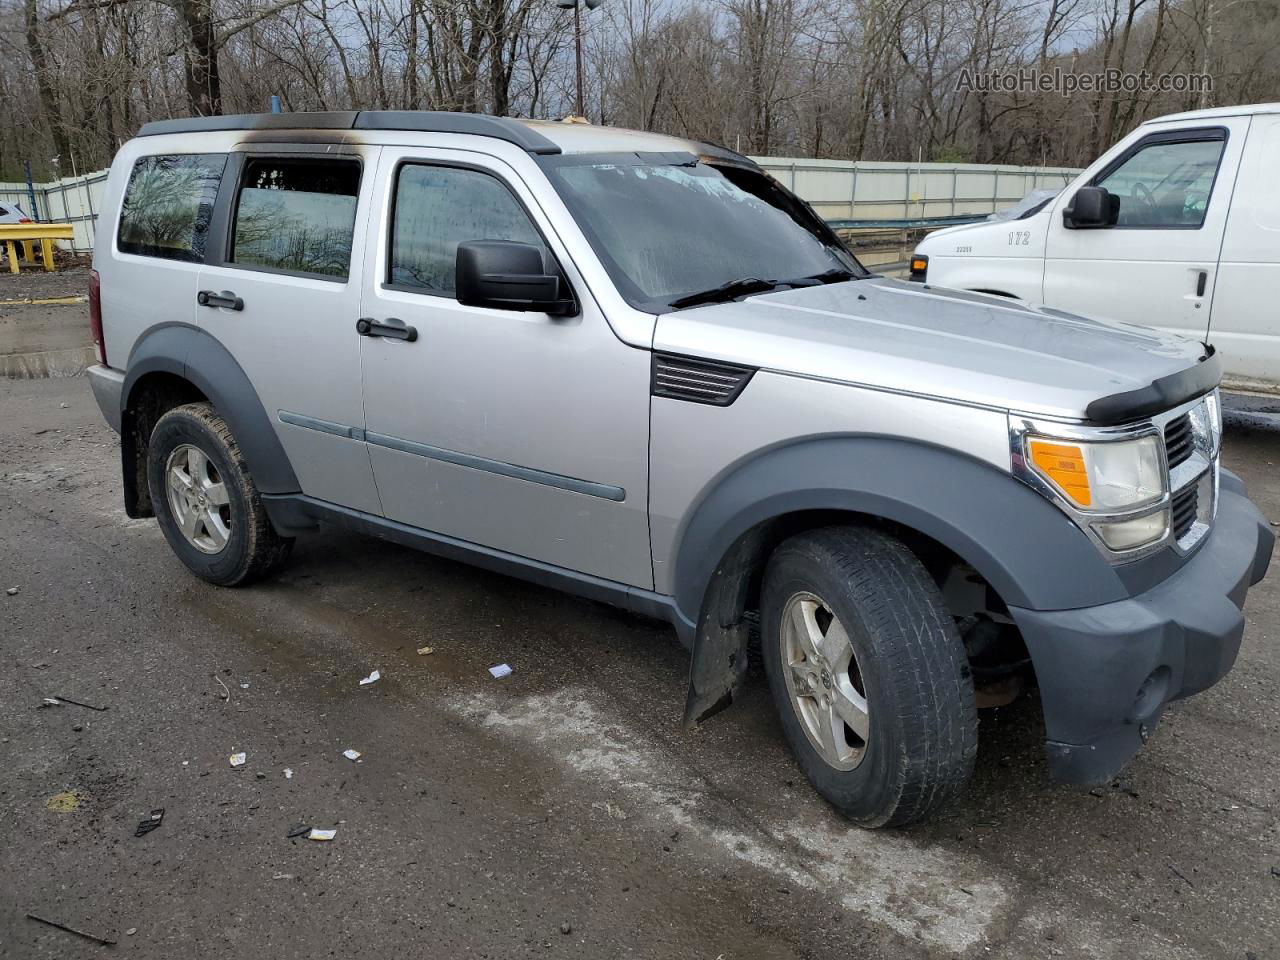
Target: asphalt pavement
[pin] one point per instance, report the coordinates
(559, 811)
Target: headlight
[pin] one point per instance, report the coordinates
(1102, 477)
(1112, 483)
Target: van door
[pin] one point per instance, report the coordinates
(1244, 322)
(283, 293)
(519, 431)
(1157, 265)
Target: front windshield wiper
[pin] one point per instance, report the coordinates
(726, 291)
(834, 275)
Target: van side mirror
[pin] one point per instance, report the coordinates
(1090, 209)
(508, 275)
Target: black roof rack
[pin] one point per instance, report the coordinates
(427, 121)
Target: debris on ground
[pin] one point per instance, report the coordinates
(237, 759)
(566, 929)
(131, 931)
(244, 686)
(288, 774)
(300, 830)
(426, 651)
(79, 933)
(371, 678)
(260, 775)
(318, 834)
(78, 703)
(149, 824)
(78, 728)
(12, 591)
(66, 802)
(500, 671)
(283, 876)
(352, 754)
(49, 702)
(226, 694)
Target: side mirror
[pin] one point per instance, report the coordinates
(508, 275)
(1090, 209)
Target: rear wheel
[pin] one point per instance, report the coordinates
(205, 499)
(868, 674)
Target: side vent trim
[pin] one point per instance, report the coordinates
(698, 381)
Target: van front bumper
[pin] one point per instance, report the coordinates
(107, 384)
(1106, 673)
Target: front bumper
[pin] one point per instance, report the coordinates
(1106, 673)
(107, 384)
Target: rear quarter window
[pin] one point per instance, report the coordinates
(167, 206)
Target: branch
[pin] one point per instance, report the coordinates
(76, 6)
(257, 18)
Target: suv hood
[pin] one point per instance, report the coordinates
(950, 344)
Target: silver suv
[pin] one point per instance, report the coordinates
(636, 368)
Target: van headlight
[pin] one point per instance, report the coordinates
(1113, 483)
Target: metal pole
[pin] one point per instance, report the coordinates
(577, 44)
(31, 190)
(275, 104)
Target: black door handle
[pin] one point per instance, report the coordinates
(1200, 283)
(227, 299)
(392, 329)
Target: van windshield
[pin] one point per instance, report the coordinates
(669, 229)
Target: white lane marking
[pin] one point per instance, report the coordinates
(917, 891)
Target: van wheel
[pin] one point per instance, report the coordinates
(868, 674)
(206, 502)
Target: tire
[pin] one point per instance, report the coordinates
(904, 659)
(229, 540)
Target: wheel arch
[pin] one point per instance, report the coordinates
(176, 363)
(943, 503)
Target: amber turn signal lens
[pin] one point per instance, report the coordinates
(919, 265)
(1063, 464)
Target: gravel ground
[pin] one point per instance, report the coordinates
(561, 811)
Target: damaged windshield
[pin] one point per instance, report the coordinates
(672, 229)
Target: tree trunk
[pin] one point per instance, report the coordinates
(204, 86)
(44, 86)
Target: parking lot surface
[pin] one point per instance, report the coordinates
(559, 811)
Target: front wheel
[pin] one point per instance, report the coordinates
(205, 499)
(868, 674)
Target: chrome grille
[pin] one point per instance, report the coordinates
(1178, 440)
(698, 381)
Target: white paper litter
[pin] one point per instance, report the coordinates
(352, 754)
(500, 671)
(288, 774)
(371, 678)
(52, 702)
(426, 651)
(244, 686)
(238, 759)
(321, 834)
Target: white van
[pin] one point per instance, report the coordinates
(1176, 227)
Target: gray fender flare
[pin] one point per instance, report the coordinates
(1023, 545)
(198, 357)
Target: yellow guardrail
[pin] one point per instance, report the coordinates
(12, 234)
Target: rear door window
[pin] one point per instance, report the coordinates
(297, 215)
(168, 204)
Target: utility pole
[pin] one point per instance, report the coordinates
(580, 108)
(577, 50)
